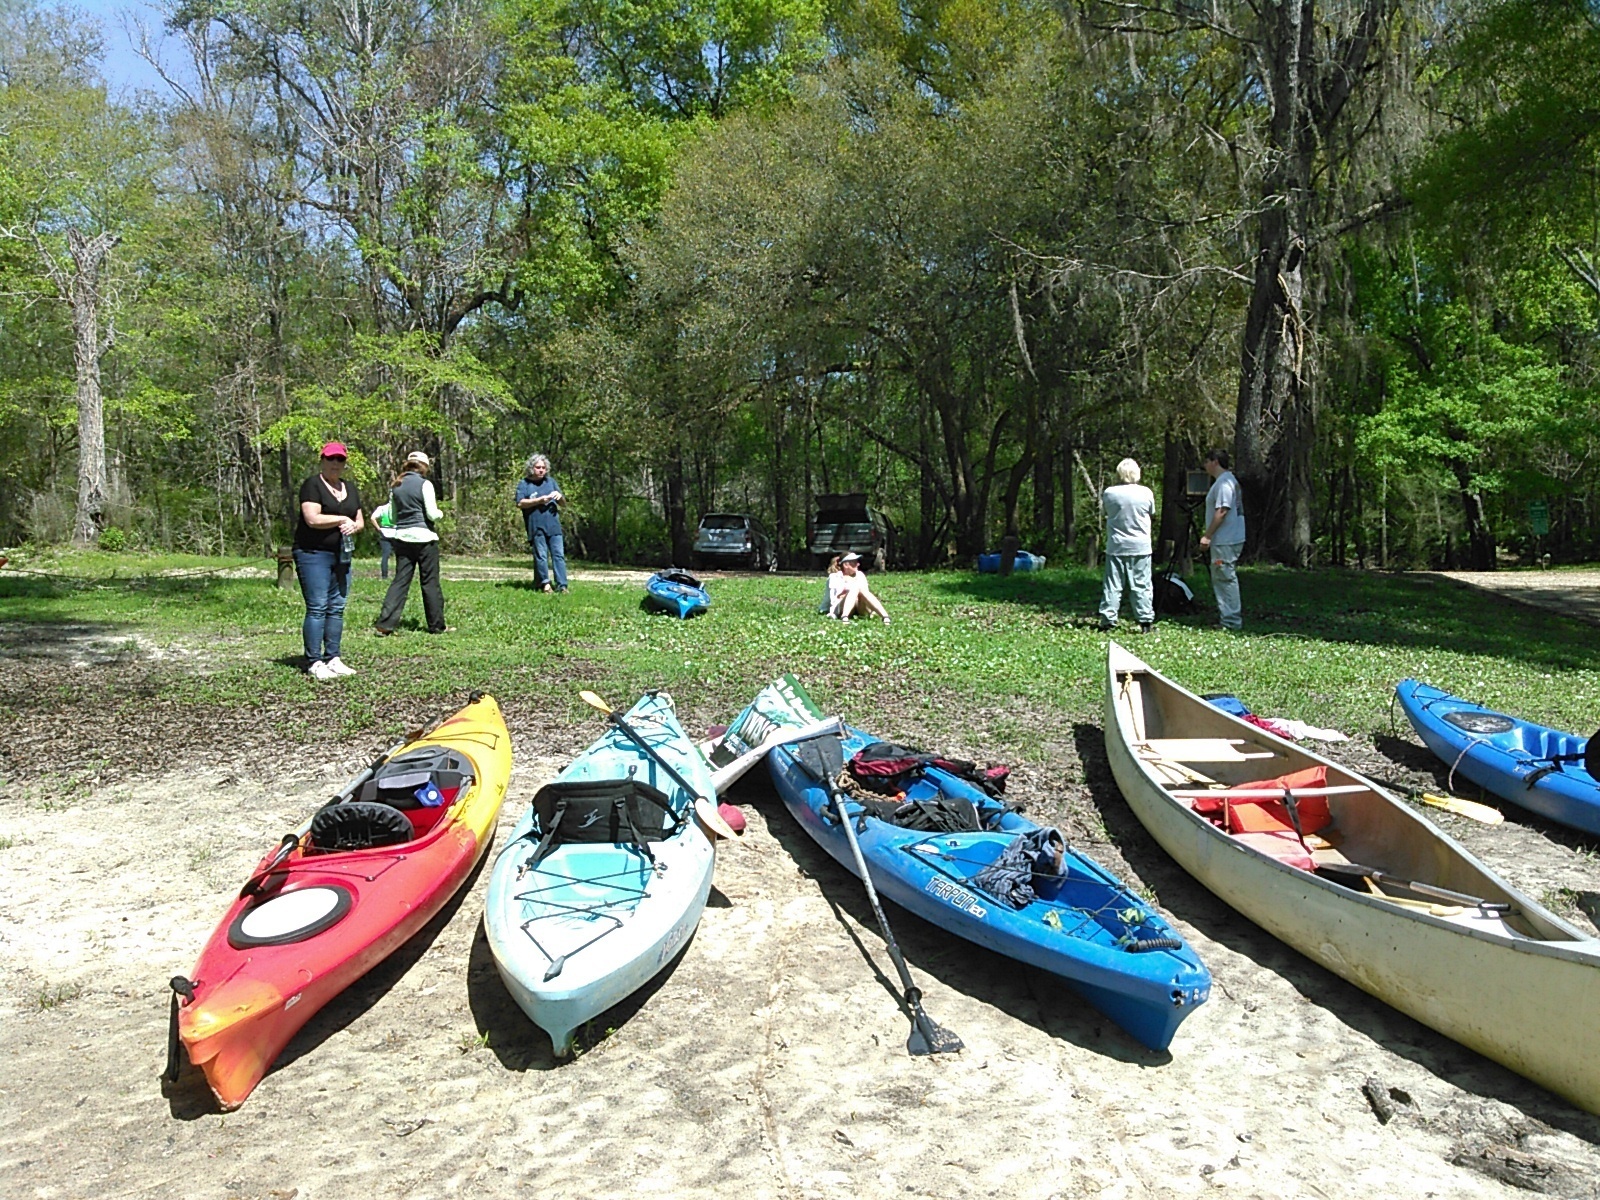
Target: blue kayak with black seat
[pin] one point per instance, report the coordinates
(1533, 766)
(677, 592)
(1006, 886)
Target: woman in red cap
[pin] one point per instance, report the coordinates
(324, 538)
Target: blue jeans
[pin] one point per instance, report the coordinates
(549, 549)
(324, 584)
(1130, 573)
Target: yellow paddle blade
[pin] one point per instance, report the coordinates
(712, 819)
(1465, 808)
(594, 701)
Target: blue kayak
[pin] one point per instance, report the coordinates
(605, 877)
(1082, 925)
(676, 592)
(1533, 766)
(988, 564)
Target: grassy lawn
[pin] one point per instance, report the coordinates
(970, 659)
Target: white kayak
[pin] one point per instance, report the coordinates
(605, 877)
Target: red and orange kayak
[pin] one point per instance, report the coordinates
(339, 895)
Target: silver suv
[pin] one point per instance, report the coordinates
(733, 539)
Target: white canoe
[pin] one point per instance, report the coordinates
(1519, 985)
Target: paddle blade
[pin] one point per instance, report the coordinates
(1465, 808)
(594, 701)
(929, 1038)
(711, 819)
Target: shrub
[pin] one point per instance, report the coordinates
(113, 540)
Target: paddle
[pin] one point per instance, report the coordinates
(1422, 889)
(703, 808)
(1471, 809)
(926, 1036)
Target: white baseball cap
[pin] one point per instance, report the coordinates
(417, 456)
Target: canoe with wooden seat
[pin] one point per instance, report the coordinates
(339, 895)
(1331, 864)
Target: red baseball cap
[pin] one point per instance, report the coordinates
(334, 450)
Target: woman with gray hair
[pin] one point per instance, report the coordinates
(540, 501)
(1129, 507)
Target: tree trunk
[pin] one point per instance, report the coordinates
(1310, 72)
(677, 510)
(1044, 497)
(82, 293)
(1177, 511)
(1480, 538)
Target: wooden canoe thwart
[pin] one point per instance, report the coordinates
(1354, 879)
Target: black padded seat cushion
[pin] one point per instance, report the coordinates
(358, 825)
(592, 815)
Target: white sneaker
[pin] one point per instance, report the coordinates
(320, 671)
(336, 666)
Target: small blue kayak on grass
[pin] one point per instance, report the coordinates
(605, 877)
(1076, 920)
(677, 592)
(1540, 769)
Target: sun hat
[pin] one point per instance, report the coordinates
(851, 557)
(334, 450)
(417, 456)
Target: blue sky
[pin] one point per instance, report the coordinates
(124, 70)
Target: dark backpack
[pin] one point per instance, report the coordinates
(932, 814)
(889, 768)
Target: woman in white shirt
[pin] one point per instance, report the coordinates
(849, 593)
(414, 510)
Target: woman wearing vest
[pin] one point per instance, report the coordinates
(413, 509)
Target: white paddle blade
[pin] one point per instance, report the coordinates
(712, 819)
(594, 701)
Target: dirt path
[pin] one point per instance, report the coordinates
(1571, 593)
(769, 1063)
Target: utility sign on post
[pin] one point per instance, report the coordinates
(1539, 518)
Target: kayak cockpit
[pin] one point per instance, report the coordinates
(406, 798)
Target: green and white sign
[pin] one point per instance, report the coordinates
(1539, 517)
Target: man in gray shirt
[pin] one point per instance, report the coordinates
(1129, 507)
(1224, 537)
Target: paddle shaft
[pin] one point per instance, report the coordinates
(638, 740)
(1422, 889)
(933, 1039)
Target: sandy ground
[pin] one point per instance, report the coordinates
(1571, 593)
(769, 1062)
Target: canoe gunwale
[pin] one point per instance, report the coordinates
(1586, 948)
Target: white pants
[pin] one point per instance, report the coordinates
(1225, 583)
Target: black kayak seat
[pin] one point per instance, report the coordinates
(358, 825)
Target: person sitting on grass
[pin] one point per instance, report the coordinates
(848, 592)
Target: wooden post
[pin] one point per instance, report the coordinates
(285, 567)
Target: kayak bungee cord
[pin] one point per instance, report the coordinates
(1089, 915)
(592, 910)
